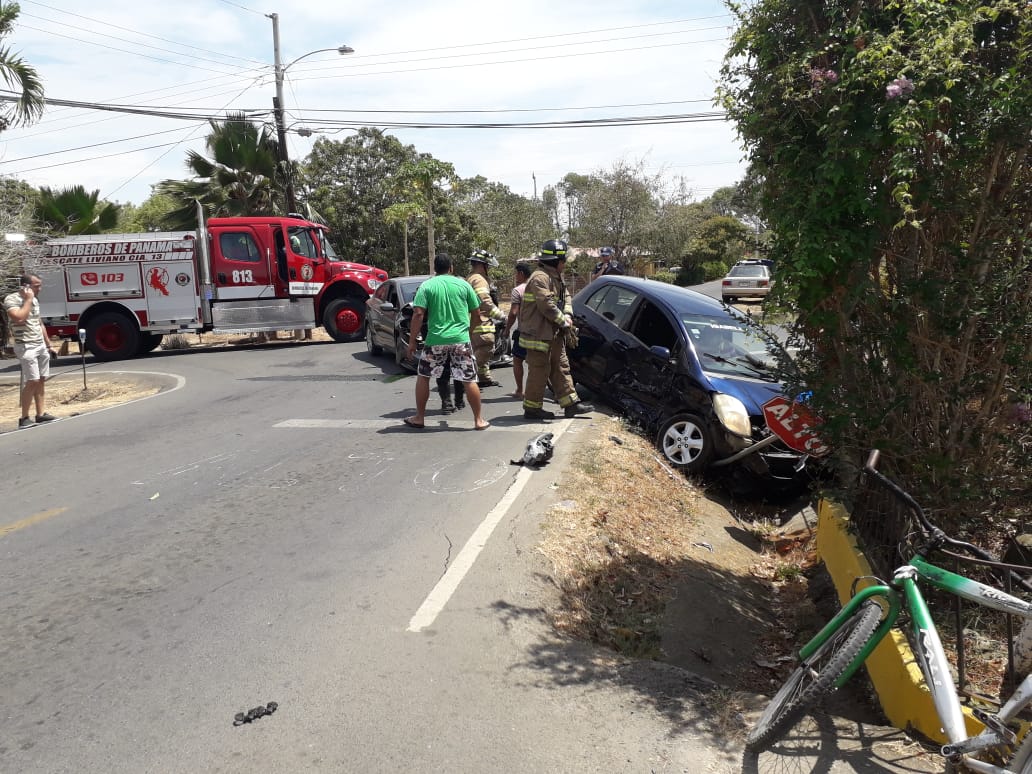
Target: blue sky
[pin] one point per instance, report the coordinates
(451, 61)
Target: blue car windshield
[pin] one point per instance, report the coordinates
(729, 347)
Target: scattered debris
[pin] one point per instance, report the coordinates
(616, 439)
(253, 714)
(155, 496)
(707, 546)
(539, 451)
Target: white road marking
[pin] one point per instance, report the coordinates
(457, 570)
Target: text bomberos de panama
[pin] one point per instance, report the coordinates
(118, 252)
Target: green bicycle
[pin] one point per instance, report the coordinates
(841, 647)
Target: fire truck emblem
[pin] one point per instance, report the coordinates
(306, 272)
(157, 279)
(182, 279)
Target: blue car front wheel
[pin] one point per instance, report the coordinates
(685, 442)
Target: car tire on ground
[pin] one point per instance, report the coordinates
(685, 442)
(371, 346)
(730, 299)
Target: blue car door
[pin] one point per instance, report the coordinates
(646, 367)
(602, 339)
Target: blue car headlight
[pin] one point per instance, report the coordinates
(732, 414)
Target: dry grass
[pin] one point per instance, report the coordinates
(622, 524)
(66, 395)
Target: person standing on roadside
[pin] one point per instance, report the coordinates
(448, 303)
(482, 330)
(543, 326)
(608, 264)
(31, 347)
(512, 325)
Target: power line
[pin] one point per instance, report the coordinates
(160, 156)
(123, 51)
(636, 49)
(556, 35)
(134, 32)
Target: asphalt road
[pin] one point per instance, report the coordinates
(267, 531)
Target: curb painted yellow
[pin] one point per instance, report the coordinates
(897, 679)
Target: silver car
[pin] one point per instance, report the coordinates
(747, 279)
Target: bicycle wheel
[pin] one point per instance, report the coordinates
(814, 679)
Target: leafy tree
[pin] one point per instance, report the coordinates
(404, 213)
(619, 208)
(242, 177)
(565, 203)
(148, 216)
(19, 76)
(716, 243)
(17, 200)
(73, 212)
(420, 182)
(674, 238)
(352, 183)
(892, 142)
(510, 225)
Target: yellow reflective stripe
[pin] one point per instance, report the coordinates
(529, 296)
(484, 329)
(535, 344)
(533, 404)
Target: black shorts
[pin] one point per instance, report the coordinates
(517, 350)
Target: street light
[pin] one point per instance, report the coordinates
(277, 103)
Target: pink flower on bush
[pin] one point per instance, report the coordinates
(819, 77)
(901, 87)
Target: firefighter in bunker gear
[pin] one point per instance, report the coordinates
(544, 320)
(482, 329)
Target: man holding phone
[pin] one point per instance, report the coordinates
(31, 347)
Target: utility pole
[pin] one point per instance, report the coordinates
(281, 129)
(534, 178)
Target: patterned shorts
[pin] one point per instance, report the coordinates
(458, 357)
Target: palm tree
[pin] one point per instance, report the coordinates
(72, 211)
(241, 175)
(18, 75)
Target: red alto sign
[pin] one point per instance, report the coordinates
(794, 424)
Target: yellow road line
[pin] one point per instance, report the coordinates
(28, 521)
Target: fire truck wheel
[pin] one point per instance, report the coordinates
(343, 319)
(112, 336)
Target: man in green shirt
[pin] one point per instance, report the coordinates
(449, 302)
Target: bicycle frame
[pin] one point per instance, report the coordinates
(931, 657)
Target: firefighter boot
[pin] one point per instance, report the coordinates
(460, 395)
(444, 390)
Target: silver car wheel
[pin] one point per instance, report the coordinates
(685, 443)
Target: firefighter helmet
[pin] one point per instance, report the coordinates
(484, 257)
(553, 251)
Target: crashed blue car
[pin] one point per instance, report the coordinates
(690, 370)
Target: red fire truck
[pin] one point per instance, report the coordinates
(233, 275)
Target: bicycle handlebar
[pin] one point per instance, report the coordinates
(871, 468)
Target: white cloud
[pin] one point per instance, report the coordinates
(450, 55)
